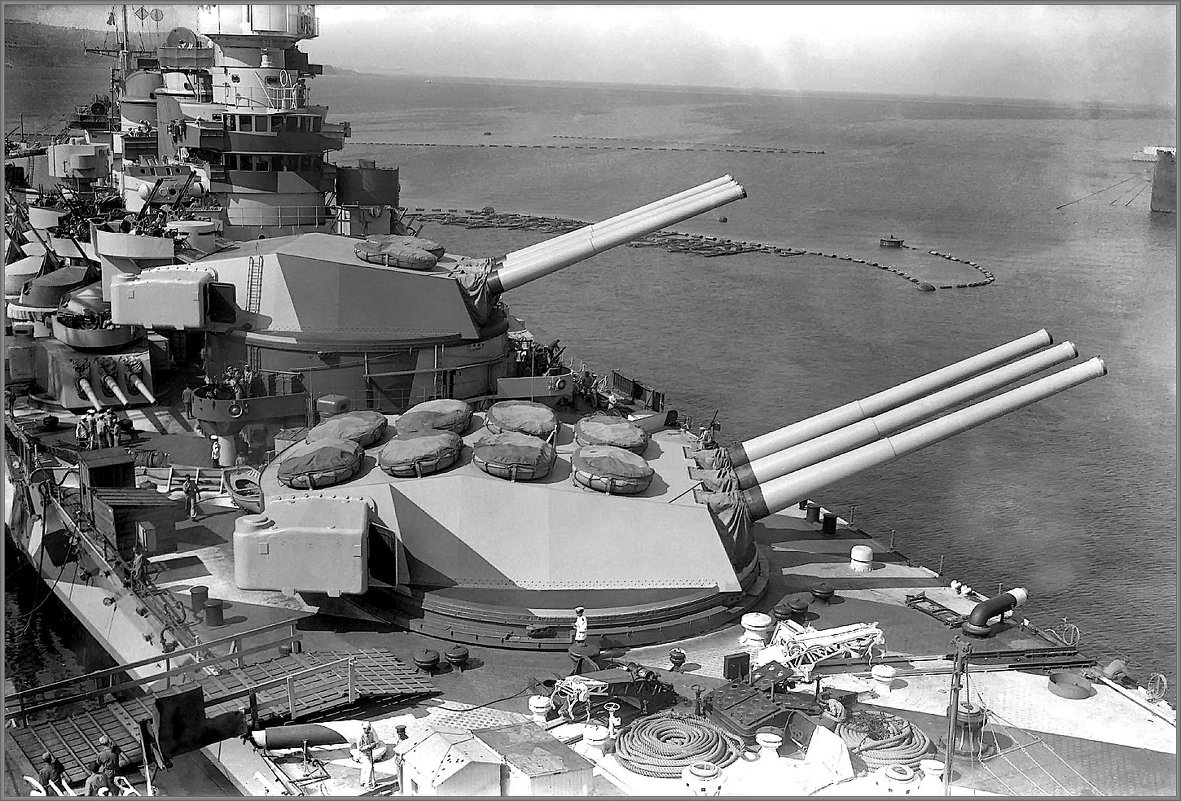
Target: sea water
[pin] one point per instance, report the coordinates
(1073, 498)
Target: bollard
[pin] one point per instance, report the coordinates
(829, 528)
(213, 613)
(198, 594)
(813, 515)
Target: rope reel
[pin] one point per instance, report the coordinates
(883, 740)
(663, 745)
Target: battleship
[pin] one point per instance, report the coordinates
(348, 527)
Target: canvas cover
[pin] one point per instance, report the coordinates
(420, 453)
(522, 416)
(513, 455)
(608, 429)
(407, 252)
(364, 427)
(607, 468)
(320, 464)
(443, 414)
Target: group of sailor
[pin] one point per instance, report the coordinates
(102, 771)
(97, 430)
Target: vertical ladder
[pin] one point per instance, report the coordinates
(253, 303)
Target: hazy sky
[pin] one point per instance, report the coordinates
(1057, 52)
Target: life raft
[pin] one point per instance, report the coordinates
(525, 417)
(363, 426)
(407, 252)
(311, 465)
(515, 456)
(419, 453)
(609, 469)
(444, 414)
(608, 429)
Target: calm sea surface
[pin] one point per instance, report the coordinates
(1074, 498)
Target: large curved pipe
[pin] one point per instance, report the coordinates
(549, 244)
(885, 400)
(88, 391)
(845, 439)
(780, 493)
(113, 387)
(977, 622)
(141, 388)
(505, 279)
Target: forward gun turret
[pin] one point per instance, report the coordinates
(528, 264)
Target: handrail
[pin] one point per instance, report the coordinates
(100, 674)
(290, 680)
(165, 674)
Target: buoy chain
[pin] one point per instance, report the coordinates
(674, 241)
(697, 149)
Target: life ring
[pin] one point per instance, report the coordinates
(559, 385)
(373, 211)
(236, 410)
(284, 78)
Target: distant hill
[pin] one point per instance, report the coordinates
(31, 44)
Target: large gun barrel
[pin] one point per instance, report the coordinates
(88, 391)
(143, 390)
(526, 254)
(592, 240)
(113, 388)
(865, 431)
(885, 400)
(778, 494)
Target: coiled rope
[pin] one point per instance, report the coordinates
(662, 745)
(882, 739)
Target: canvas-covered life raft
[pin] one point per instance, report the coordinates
(363, 426)
(443, 414)
(608, 429)
(419, 453)
(515, 456)
(311, 465)
(525, 417)
(607, 468)
(407, 252)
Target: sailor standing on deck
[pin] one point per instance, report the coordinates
(186, 397)
(580, 624)
(51, 771)
(92, 440)
(190, 490)
(100, 430)
(82, 431)
(96, 782)
(365, 747)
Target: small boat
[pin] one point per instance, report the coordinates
(890, 241)
(243, 484)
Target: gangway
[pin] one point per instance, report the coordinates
(287, 687)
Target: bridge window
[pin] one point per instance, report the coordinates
(316, 124)
(260, 123)
(246, 122)
(231, 161)
(277, 122)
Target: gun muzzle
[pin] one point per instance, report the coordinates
(586, 242)
(845, 439)
(138, 383)
(88, 391)
(113, 387)
(885, 400)
(778, 494)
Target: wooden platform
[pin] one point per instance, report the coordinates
(318, 682)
